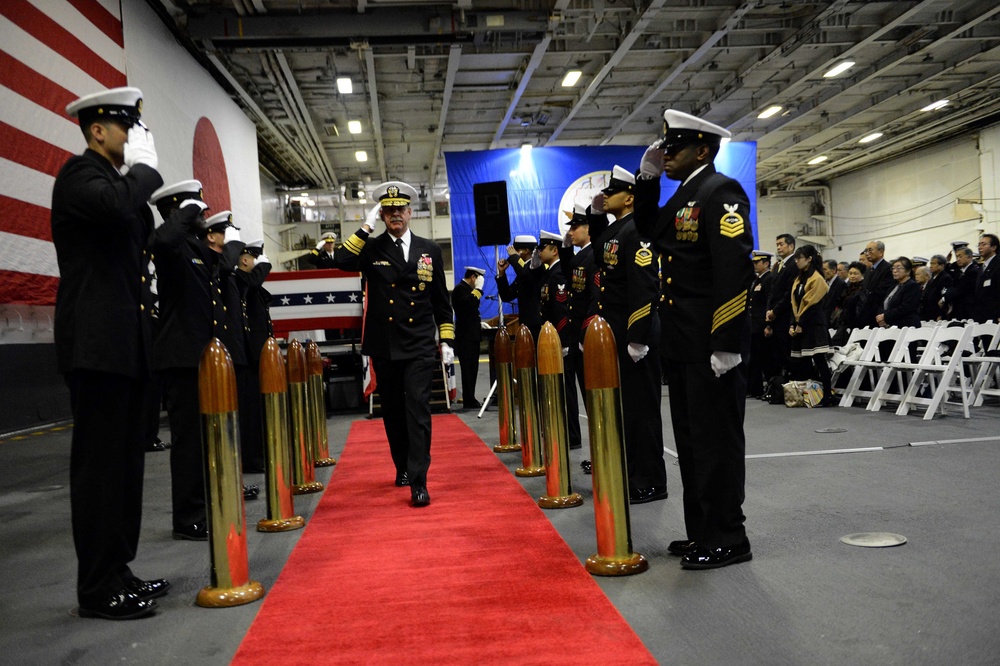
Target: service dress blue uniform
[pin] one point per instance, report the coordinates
(465, 301)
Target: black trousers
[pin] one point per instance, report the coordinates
(707, 414)
(467, 352)
(643, 425)
(251, 417)
(573, 373)
(107, 460)
(404, 388)
(154, 398)
(762, 364)
(187, 457)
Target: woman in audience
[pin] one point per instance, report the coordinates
(846, 319)
(902, 305)
(809, 332)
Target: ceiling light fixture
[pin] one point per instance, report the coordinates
(354, 126)
(817, 160)
(571, 78)
(769, 111)
(936, 105)
(871, 137)
(344, 85)
(361, 156)
(839, 69)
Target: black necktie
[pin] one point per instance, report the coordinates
(399, 248)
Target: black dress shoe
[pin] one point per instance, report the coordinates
(402, 479)
(124, 605)
(587, 467)
(157, 445)
(643, 495)
(250, 492)
(196, 532)
(713, 558)
(578, 445)
(681, 547)
(419, 496)
(148, 589)
(472, 404)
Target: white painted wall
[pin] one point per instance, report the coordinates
(176, 93)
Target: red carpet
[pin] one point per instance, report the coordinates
(480, 576)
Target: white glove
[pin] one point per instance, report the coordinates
(637, 352)
(723, 362)
(597, 204)
(321, 243)
(232, 235)
(372, 217)
(194, 202)
(480, 282)
(485, 325)
(262, 259)
(447, 354)
(140, 149)
(567, 240)
(565, 351)
(536, 259)
(651, 166)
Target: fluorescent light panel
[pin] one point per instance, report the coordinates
(871, 137)
(354, 126)
(817, 160)
(571, 78)
(344, 85)
(361, 156)
(839, 69)
(936, 105)
(769, 111)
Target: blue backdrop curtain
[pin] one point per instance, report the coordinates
(542, 185)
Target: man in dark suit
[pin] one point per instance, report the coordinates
(407, 306)
(877, 284)
(958, 301)
(527, 286)
(254, 267)
(940, 279)
(761, 365)
(627, 298)
(465, 300)
(100, 228)
(192, 260)
(835, 289)
(987, 306)
(705, 237)
(779, 304)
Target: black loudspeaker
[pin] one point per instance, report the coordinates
(492, 213)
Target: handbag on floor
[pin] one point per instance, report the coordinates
(808, 393)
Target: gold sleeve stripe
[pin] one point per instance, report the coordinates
(354, 244)
(477, 293)
(639, 314)
(729, 310)
(446, 331)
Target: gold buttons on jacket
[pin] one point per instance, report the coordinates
(411, 304)
(391, 301)
(390, 318)
(670, 258)
(670, 302)
(393, 285)
(143, 278)
(411, 320)
(142, 307)
(413, 288)
(670, 280)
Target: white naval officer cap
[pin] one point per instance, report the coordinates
(919, 261)
(549, 238)
(475, 269)
(255, 248)
(622, 180)
(219, 220)
(681, 128)
(579, 215)
(957, 244)
(121, 104)
(329, 236)
(525, 241)
(171, 196)
(395, 193)
(759, 255)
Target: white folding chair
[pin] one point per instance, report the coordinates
(901, 366)
(870, 365)
(984, 365)
(851, 350)
(941, 370)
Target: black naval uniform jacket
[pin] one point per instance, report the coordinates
(465, 301)
(101, 227)
(987, 304)
(704, 234)
(525, 290)
(321, 259)
(554, 302)
(581, 270)
(257, 303)
(407, 303)
(932, 292)
(190, 289)
(961, 295)
(759, 294)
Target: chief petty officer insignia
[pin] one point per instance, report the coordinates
(731, 224)
(686, 222)
(643, 256)
(611, 252)
(425, 269)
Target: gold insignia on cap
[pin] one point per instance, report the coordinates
(392, 191)
(138, 105)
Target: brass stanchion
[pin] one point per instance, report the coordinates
(503, 357)
(531, 439)
(274, 392)
(607, 451)
(555, 433)
(227, 523)
(314, 389)
(303, 471)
